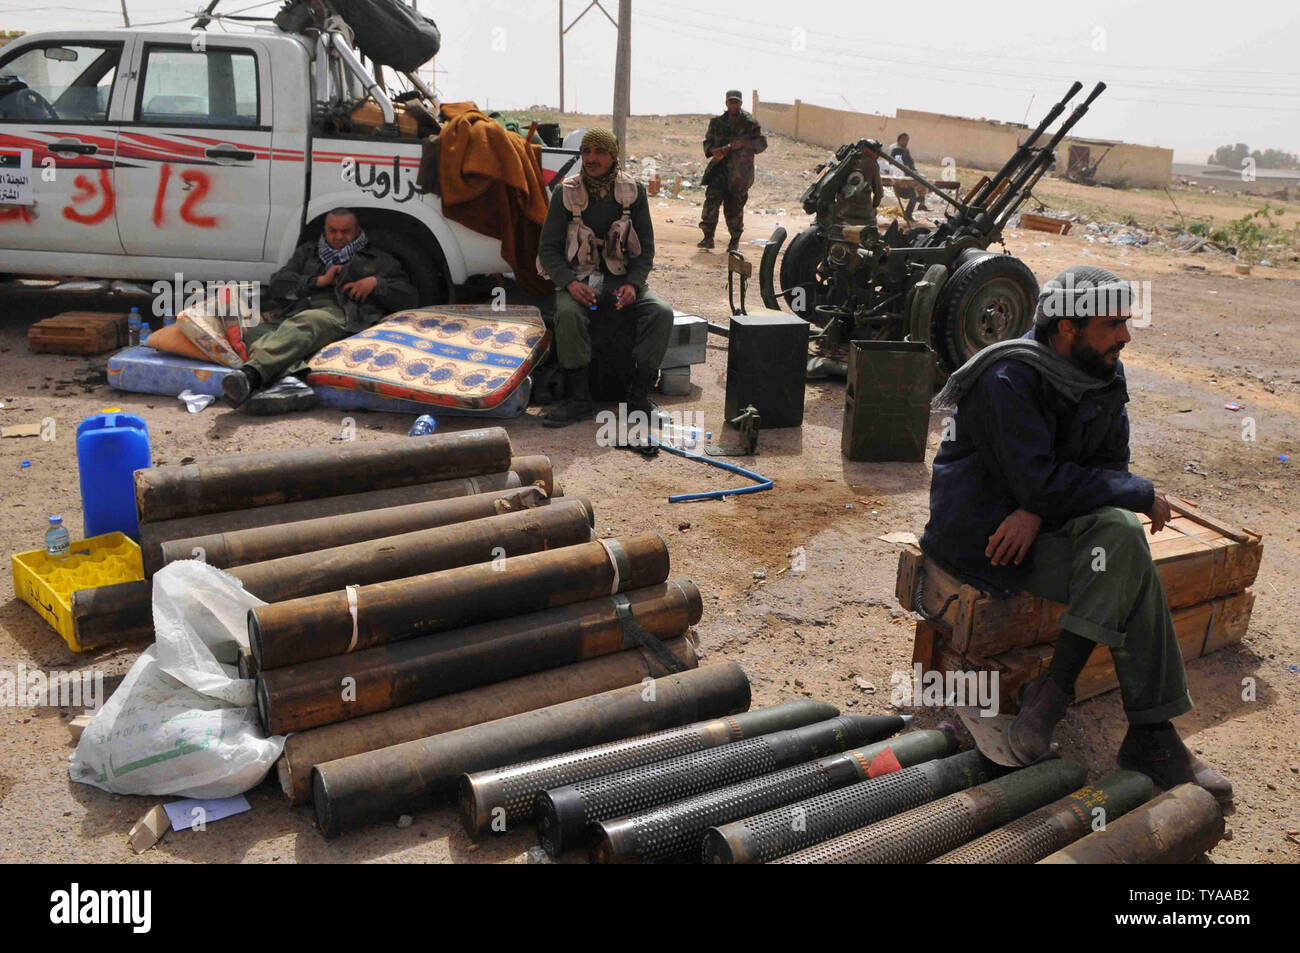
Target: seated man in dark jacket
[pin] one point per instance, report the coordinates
(598, 246)
(333, 288)
(1031, 490)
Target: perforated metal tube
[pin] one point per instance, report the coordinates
(672, 833)
(565, 814)
(1039, 833)
(501, 797)
(925, 832)
(765, 837)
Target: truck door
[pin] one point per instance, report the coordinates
(194, 155)
(55, 136)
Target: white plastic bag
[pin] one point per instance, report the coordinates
(182, 721)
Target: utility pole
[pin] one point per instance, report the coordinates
(565, 29)
(126, 20)
(623, 73)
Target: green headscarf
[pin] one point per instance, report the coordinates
(598, 138)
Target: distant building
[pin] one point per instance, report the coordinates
(976, 143)
(7, 35)
(1274, 183)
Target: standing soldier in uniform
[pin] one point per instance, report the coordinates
(732, 141)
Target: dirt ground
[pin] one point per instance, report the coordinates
(1215, 337)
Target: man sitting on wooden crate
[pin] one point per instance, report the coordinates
(1031, 490)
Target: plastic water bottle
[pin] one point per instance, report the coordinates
(596, 281)
(145, 331)
(133, 324)
(423, 426)
(57, 541)
(168, 317)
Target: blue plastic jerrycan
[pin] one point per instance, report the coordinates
(111, 446)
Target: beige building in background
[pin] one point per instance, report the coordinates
(974, 143)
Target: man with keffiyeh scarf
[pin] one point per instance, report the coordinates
(332, 288)
(600, 276)
(1032, 490)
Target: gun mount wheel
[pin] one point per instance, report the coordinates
(799, 269)
(988, 300)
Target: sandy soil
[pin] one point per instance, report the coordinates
(1215, 337)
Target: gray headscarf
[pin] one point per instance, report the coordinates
(1079, 291)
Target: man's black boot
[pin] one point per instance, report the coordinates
(239, 384)
(1042, 705)
(287, 394)
(734, 243)
(1158, 752)
(577, 405)
(706, 241)
(638, 396)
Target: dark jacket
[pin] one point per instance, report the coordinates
(599, 215)
(1020, 444)
(295, 285)
(739, 164)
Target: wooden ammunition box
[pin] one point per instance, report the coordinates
(1206, 566)
(78, 332)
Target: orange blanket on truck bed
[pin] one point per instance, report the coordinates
(491, 182)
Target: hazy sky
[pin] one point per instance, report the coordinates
(1185, 75)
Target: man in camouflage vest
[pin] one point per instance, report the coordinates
(732, 141)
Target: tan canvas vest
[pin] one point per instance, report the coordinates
(582, 248)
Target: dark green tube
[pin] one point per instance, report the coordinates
(1039, 833)
(930, 830)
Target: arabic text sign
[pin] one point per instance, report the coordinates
(16, 177)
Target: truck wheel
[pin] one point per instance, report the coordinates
(419, 264)
(799, 268)
(987, 300)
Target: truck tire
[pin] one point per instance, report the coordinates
(988, 299)
(799, 268)
(421, 267)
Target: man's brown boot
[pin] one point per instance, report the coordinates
(1042, 705)
(576, 405)
(1160, 754)
(706, 241)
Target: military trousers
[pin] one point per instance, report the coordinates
(1100, 567)
(280, 347)
(733, 207)
(653, 327)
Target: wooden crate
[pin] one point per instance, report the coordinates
(1202, 629)
(1198, 558)
(1044, 223)
(78, 332)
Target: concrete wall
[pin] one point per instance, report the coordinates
(977, 143)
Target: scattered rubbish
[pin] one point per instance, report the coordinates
(536, 855)
(1193, 466)
(25, 464)
(760, 574)
(195, 402)
(901, 537)
(1283, 457)
(864, 685)
(1044, 244)
(21, 430)
(1232, 405)
(1184, 410)
(1045, 223)
(198, 812)
(149, 830)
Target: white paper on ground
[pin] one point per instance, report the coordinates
(202, 811)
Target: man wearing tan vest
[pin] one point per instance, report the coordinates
(597, 245)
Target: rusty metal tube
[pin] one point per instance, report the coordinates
(566, 523)
(310, 695)
(524, 471)
(1039, 833)
(110, 615)
(404, 778)
(672, 833)
(244, 480)
(246, 546)
(300, 630)
(305, 749)
(500, 798)
(930, 830)
(1175, 828)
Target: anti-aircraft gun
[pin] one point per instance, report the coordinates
(937, 285)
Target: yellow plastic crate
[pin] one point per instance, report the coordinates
(47, 583)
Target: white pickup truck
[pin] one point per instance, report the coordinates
(144, 154)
